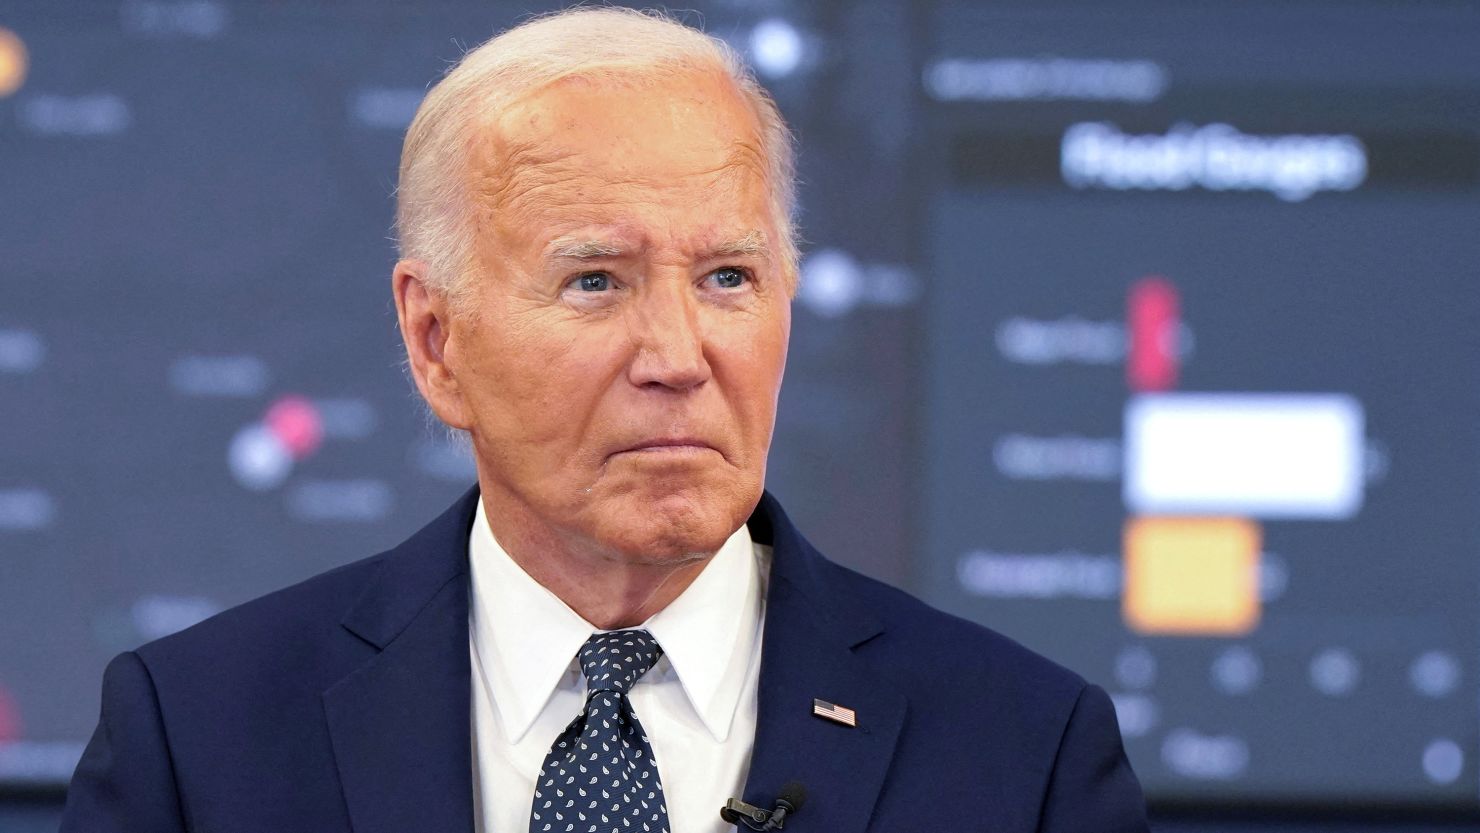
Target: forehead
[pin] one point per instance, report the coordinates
(587, 151)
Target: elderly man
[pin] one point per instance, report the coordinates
(616, 630)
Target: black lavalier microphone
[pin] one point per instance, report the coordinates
(791, 799)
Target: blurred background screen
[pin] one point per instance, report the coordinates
(1145, 333)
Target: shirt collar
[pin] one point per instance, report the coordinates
(710, 632)
(527, 638)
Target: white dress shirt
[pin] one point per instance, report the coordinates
(697, 704)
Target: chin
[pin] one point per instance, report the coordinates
(677, 526)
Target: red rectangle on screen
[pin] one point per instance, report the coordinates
(1153, 318)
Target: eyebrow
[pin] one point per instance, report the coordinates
(570, 248)
(752, 244)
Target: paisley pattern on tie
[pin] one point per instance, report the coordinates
(600, 776)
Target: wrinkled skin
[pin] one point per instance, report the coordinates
(619, 363)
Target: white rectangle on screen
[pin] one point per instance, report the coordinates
(1256, 455)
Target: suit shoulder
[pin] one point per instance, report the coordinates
(927, 640)
(285, 619)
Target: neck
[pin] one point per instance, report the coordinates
(607, 588)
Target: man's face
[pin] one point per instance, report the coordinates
(621, 360)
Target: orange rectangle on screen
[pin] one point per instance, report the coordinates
(1191, 576)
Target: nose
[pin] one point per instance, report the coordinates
(669, 340)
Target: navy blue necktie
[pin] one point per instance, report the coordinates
(600, 776)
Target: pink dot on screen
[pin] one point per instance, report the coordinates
(296, 423)
(10, 717)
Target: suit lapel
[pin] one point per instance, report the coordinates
(401, 728)
(400, 724)
(808, 653)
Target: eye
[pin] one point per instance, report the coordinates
(594, 282)
(729, 277)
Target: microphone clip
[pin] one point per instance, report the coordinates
(737, 812)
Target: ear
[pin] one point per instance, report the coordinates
(426, 328)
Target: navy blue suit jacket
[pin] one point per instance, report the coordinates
(342, 704)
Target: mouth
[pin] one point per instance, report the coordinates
(675, 446)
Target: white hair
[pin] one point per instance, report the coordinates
(434, 208)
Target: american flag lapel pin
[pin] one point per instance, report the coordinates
(834, 712)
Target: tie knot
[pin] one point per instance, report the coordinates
(615, 661)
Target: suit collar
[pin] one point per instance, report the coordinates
(798, 564)
(813, 632)
(401, 727)
(400, 724)
(412, 573)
